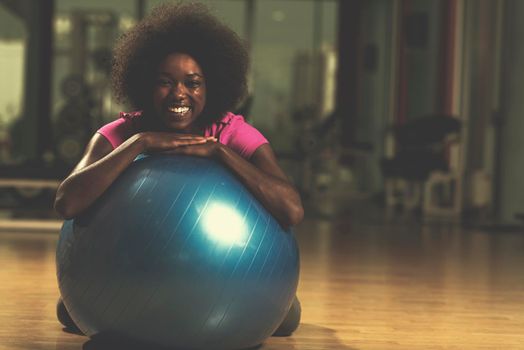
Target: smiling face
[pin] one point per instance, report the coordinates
(179, 93)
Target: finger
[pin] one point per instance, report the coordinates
(178, 150)
(189, 142)
(188, 137)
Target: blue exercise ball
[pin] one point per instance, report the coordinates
(178, 252)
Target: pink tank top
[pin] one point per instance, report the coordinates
(232, 130)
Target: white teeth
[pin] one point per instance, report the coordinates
(179, 110)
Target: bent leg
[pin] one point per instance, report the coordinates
(64, 318)
(291, 322)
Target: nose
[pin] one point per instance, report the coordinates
(179, 90)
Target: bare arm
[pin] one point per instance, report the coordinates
(101, 165)
(262, 176)
(266, 180)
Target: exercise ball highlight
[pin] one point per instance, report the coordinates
(177, 252)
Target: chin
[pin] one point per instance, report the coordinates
(177, 126)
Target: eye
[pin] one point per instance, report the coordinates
(164, 82)
(193, 83)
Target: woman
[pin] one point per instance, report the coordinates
(182, 71)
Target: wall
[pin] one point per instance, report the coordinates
(375, 114)
(511, 186)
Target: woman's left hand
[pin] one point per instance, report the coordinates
(206, 150)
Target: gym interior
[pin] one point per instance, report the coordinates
(399, 122)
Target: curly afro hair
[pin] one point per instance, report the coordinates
(183, 28)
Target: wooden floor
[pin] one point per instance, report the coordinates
(367, 285)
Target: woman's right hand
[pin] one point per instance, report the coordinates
(165, 141)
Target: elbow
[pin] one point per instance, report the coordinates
(63, 208)
(60, 209)
(294, 213)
